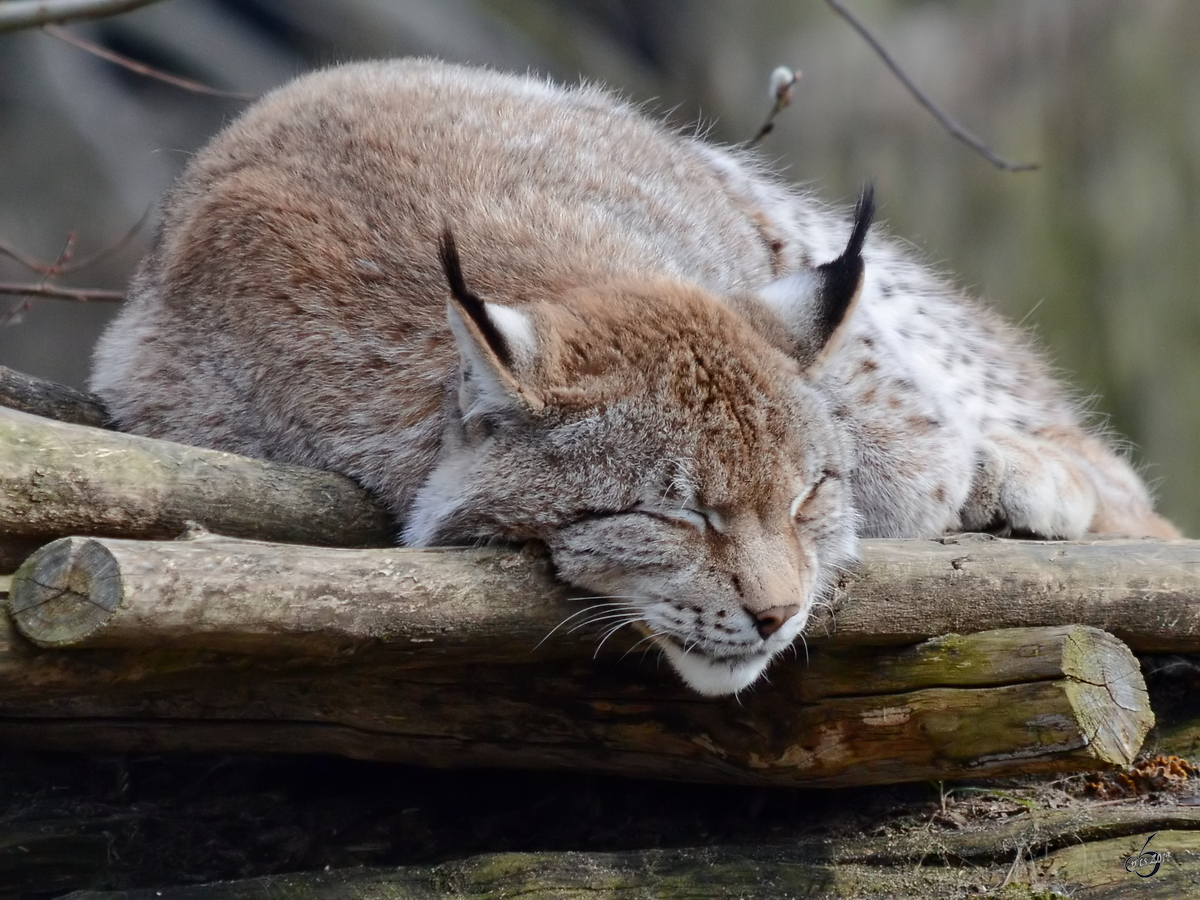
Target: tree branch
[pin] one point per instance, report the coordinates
(943, 118)
(133, 65)
(59, 293)
(18, 14)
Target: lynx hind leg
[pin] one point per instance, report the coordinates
(1058, 483)
(1029, 486)
(1123, 504)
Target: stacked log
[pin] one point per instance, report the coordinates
(431, 656)
(963, 657)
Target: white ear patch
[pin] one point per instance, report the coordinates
(491, 383)
(791, 294)
(517, 330)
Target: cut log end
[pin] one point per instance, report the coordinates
(1108, 693)
(65, 591)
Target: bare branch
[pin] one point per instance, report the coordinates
(18, 14)
(25, 260)
(133, 65)
(62, 266)
(65, 268)
(82, 295)
(946, 121)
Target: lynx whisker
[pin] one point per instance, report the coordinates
(631, 615)
(648, 639)
(587, 609)
(610, 633)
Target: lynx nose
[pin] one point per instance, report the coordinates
(771, 620)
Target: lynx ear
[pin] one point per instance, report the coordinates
(815, 304)
(496, 344)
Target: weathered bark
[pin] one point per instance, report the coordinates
(501, 603)
(57, 478)
(1044, 854)
(217, 594)
(1146, 592)
(419, 661)
(50, 399)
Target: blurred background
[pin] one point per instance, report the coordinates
(1097, 252)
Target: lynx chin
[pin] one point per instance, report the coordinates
(518, 311)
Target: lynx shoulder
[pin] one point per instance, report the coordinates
(519, 311)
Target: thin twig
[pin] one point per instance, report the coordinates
(61, 266)
(28, 262)
(946, 121)
(18, 14)
(49, 291)
(64, 257)
(105, 252)
(141, 68)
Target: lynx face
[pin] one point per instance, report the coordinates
(676, 461)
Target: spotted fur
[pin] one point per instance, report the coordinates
(525, 312)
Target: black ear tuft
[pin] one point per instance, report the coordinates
(841, 279)
(864, 213)
(469, 302)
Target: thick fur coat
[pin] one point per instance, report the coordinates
(520, 311)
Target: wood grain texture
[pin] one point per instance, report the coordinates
(1039, 855)
(58, 479)
(213, 593)
(438, 658)
(50, 399)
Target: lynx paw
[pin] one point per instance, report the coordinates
(1028, 486)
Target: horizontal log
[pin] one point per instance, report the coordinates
(413, 666)
(218, 594)
(50, 399)
(57, 478)
(513, 717)
(1085, 869)
(1144, 591)
(504, 602)
(226, 816)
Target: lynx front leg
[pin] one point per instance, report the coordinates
(1029, 486)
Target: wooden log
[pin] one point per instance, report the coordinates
(1146, 592)
(674, 874)
(414, 665)
(194, 594)
(50, 399)
(57, 478)
(85, 832)
(1045, 863)
(223, 595)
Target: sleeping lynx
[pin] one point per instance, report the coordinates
(519, 311)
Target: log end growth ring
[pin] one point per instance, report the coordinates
(65, 591)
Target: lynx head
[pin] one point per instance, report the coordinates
(668, 447)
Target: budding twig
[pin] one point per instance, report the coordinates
(946, 121)
(783, 80)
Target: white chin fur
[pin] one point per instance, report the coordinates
(722, 676)
(715, 677)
